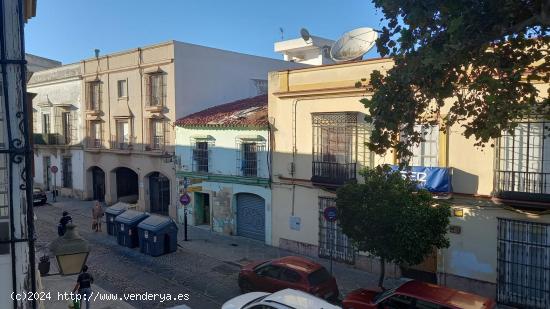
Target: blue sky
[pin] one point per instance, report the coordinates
(69, 30)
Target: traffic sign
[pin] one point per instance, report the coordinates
(330, 213)
(185, 199)
(54, 169)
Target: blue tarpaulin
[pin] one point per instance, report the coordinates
(433, 179)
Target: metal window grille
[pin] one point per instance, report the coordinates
(158, 132)
(200, 157)
(334, 146)
(523, 159)
(94, 134)
(156, 89)
(332, 238)
(249, 156)
(93, 92)
(67, 172)
(523, 266)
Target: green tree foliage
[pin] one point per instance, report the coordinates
(389, 218)
(475, 56)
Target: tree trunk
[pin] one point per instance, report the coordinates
(382, 273)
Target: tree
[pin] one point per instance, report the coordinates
(389, 218)
(476, 57)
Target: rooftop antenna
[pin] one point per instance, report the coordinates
(282, 33)
(354, 44)
(96, 52)
(305, 35)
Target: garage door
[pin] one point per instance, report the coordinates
(251, 216)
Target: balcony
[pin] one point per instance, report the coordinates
(94, 143)
(54, 139)
(331, 174)
(157, 143)
(523, 187)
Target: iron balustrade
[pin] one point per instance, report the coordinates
(157, 142)
(533, 186)
(94, 143)
(333, 173)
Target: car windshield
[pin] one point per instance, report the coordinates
(318, 277)
(256, 300)
(261, 265)
(382, 295)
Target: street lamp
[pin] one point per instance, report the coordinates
(71, 251)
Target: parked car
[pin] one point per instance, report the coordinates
(285, 299)
(416, 294)
(39, 196)
(288, 272)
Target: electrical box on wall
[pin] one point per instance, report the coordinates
(295, 223)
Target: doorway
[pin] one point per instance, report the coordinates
(159, 193)
(98, 184)
(202, 208)
(127, 189)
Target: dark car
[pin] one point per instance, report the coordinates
(288, 272)
(416, 294)
(39, 197)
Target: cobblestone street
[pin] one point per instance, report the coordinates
(208, 281)
(205, 267)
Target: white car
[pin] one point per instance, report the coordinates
(285, 299)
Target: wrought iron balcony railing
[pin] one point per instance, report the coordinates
(523, 186)
(51, 139)
(94, 143)
(332, 174)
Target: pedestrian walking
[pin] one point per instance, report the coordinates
(62, 226)
(97, 215)
(84, 286)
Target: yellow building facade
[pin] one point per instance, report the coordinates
(500, 228)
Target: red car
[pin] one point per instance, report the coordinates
(416, 294)
(288, 272)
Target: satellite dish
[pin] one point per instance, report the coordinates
(353, 45)
(305, 34)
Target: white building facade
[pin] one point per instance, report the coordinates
(224, 168)
(58, 130)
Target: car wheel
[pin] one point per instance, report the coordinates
(245, 286)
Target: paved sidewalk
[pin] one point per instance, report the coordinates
(240, 250)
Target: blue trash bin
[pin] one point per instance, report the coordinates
(110, 215)
(126, 225)
(158, 235)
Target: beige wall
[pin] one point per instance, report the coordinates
(132, 66)
(298, 93)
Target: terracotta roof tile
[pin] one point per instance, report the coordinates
(250, 112)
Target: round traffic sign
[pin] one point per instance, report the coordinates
(330, 213)
(54, 169)
(185, 199)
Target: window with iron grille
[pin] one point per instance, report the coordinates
(250, 152)
(334, 147)
(93, 93)
(122, 134)
(523, 161)
(426, 153)
(331, 237)
(157, 134)
(523, 269)
(66, 127)
(94, 134)
(67, 172)
(200, 156)
(156, 89)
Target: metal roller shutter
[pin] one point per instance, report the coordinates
(251, 216)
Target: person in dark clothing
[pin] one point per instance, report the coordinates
(62, 226)
(84, 286)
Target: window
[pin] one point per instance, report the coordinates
(46, 124)
(200, 157)
(249, 161)
(94, 95)
(122, 134)
(95, 134)
(426, 153)
(399, 302)
(121, 88)
(334, 147)
(67, 172)
(157, 134)
(332, 240)
(66, 126)
(290, 275)
(524, 159)
(318, 277)
(270, 271)
(156, 88)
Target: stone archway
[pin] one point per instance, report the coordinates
(159, 193)
(125, 186)
(97, 177)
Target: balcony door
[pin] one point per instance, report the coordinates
(123, 134)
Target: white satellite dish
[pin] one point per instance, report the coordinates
(305, 34)
(353, 45)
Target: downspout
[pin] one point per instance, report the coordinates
(294, 150)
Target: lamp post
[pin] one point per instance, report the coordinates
(71, 251)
